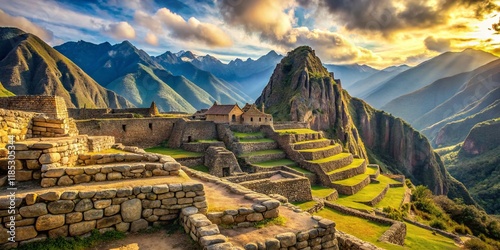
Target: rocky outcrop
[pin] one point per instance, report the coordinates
(302, 90)
(482, 137)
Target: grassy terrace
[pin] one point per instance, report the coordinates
(304, 142)
(109, 151)
(332, 158)
(304, 205)
(317, 149)
(206, 141)
(355, 163)
(416, 238)
(371, 191)
(176, 153)
(249, 135)
(320, 191)
(280, 162)
(353, 180)
(262, 152)
(297, 168)
(298, 131)
(256, 140)
(201, 168)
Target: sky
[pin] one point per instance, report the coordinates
(378, 33)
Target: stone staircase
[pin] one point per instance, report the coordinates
(256, 149)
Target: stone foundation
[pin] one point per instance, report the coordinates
(100, 143)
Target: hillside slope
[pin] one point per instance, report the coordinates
(29, 66)
(301, 89)
(444, 65)
(366, 86)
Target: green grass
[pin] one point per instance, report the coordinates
(392, 198)
(76, 243)
(262, 152)
(317, 149)
(278, 221)
(352, 181)
(355, 163)
(299, 169)
(176, 153)
(361, 228)
(4, 92)
(274, 163)
(298, 131)
(419, 238)
(331, 158)
(304, 142)
(320, 191)
(109, 151)
(201, 168)
(207, 141)
(304, 205)
(248, 135)
(371, 170)
(256, 140)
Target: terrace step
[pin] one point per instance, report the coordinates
(275, 163)
(351, 185)
(320, 143)
(358, 166)
(331, 163)
(247, 147)
(245, 136)
(263, 155)
(320, 153)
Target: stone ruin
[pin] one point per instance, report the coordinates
(221, 162)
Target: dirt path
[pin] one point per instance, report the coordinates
(220, 199)
(151, 241)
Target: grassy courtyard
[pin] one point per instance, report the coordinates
(275, 163)
(298, 131)
(176, 153)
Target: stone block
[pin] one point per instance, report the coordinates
(109, 221)
(50, 196)
(58, 232)
(49, 221)
(74, 217)
(25, 233)
(81, 178)
(114, 176)
(61, 207)
(28, 155)
(81, 227)
(54, 172)
(49, 158)
(65, 181)
(138, 225)
(212, 239)
(131, 210)
(111, 210)
(93, 214)
(84, 205)
(35, 210)
(122, 227)
(30, 198)
(287, 239)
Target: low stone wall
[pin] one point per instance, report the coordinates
(246, 216)
(56, 176)
(320, 237)
(92, 159)
(201, 147)
(395, 234)
(245, 147)
(32, 154)
(75, 213)
(453, 236)
(266, 157)
(319, 154)
(290, 125)
(191, 161)
(292, 186)
(15, 123)
(377, 198)
(350, 190)
(100, 143)
(347, 241)
(221, 162)
(348, 173)
(53, 106)
(51, 127)
(202, 230)
(331, 165)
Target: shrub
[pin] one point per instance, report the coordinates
(438, 224)
(409, 184)
(393, 213)
(462, 229)
(477, 244)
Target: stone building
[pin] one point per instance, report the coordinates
(233, 114)
(224, 113)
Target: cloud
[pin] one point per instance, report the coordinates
(151, 39)
(388, 16)
(189, 30)
(437, 44)
(121, 30)
(24, 24)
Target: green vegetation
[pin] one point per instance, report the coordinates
(355, 163)
(207, 141)
(176, 153)
(297, 168)
(109, 151)
(353, 180)
(320, 191)
(76, 243)
(262, 152)
(256, 140)
(278, 221)
(248, 135)
(280, 162)
(201, 168)
(4, 92)
(317, 149)
(332, 158)
(298, 131)
(392, 198)
(305, 205)
(304, 142)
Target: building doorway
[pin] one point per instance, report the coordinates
(233, 118)
(226, 172)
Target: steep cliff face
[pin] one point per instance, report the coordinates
(483, 137)
(301, 89)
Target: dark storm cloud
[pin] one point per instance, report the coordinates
(437, 44)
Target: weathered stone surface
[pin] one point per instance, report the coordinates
(30, 198)
(272, 244)
(100, 177)
(65, 181)
(81, 227)
(111, 210)
(160, 189)
(81, 178)
(86, 194)
(131, 210)
(28, 155)
(54, 172)
(59, 232)
(114, 176)
(109, 221)
(99, 204)
(259, 208)
(105, 194)
(84, 205)
(122, 227)
(209, 230)
(271, 204)
(48, 182)
(93, 214)
(74, 217)
(271, 213)
(50, 196)
(255, 217)
(287, 239)
(74, 171)
(49, 158)
(25, 233)
(325, 223)
(221, 246)
(138, 225)
(61, 206)
(48, 221)
(35, 210)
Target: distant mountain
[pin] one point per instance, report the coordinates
(350, 73)
(365, 86)
(444, 65)
(29, 66)
(219, 90)
(250, 76)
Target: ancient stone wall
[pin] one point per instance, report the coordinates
(221, 162)
(347, 241)
(202, 230)
(246, 216)
(290, 125)
(16, 123)
(100, 143)
(201, 147)
(53, 106)
(55, 214)
(32, 154)
(350, 190)
(292, 186)
(143, 132)
(186, 131)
